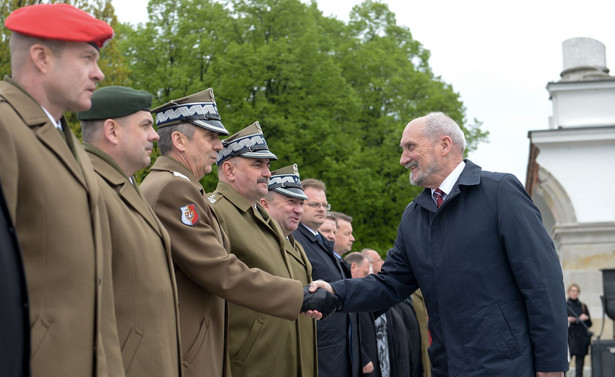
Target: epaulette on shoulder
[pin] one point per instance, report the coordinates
(213, 198)
(180, 175)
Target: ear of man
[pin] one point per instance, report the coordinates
(42, 57)
(179, 141)
(228, 170)
(112, 131)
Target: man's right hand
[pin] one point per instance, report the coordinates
(320, 284)
(321, 300)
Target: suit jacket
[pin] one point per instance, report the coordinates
(207, 274)
(143, 279)
(369, 345)
(259, 344)
(56, 207)
(336, 356)
(14, 315)
(490, 275)
(404, 340)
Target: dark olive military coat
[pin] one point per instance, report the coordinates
(207, 274)
(301, 270)
(259, 344)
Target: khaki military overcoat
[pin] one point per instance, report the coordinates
(143, 278)
(57, 209)
(207, 274)
(259, 344)
(301, 270)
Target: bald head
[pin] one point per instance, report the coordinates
(374, 259)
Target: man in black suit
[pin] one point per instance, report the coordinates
(338, 351)
(14, 316)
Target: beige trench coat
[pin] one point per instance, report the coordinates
(55, 204)
(143, 279)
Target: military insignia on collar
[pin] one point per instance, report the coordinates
(189, 215)
(212, 198)
(180, 175)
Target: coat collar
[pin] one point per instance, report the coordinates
(233, 196)
(243, 205)
(470, 176)
(169, 164)
(35, 118)
(128, 192)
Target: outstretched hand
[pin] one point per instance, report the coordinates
(319, 301)
(320, 284)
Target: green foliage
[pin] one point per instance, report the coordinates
(331, 96)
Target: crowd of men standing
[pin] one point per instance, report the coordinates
(103, 277)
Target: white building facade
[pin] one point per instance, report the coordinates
(571, 171)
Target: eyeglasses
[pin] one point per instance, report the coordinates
(326, 206)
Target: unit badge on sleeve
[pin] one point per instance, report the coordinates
(189, 214)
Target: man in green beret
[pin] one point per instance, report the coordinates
(118, 135)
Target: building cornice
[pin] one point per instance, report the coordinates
(573, 135)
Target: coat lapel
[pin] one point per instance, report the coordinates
(128, 193)
(40, 124)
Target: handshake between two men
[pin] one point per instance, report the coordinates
(319, 300)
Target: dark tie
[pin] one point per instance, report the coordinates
(439, 196)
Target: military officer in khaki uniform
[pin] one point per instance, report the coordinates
(207, 273)
(284, 203)
(51, 190)
(259, 344)
(119, 136)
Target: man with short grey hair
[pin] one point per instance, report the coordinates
(475, 244)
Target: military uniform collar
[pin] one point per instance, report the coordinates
(225, 190)
(106, 158)
(31, 118)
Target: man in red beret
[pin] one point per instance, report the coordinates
(51, 191)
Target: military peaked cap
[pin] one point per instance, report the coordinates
(286, 181)
(248, 143)
(199, 109)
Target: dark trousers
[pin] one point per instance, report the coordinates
(578, 362)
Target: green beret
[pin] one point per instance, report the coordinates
(112, 102)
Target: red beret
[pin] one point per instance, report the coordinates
(61, 22)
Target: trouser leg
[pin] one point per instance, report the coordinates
(578, 361)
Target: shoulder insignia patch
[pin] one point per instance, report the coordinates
(180, 175)
(189, 215)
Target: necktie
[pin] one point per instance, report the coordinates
(439, 196)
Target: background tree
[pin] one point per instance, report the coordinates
(331, 96)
